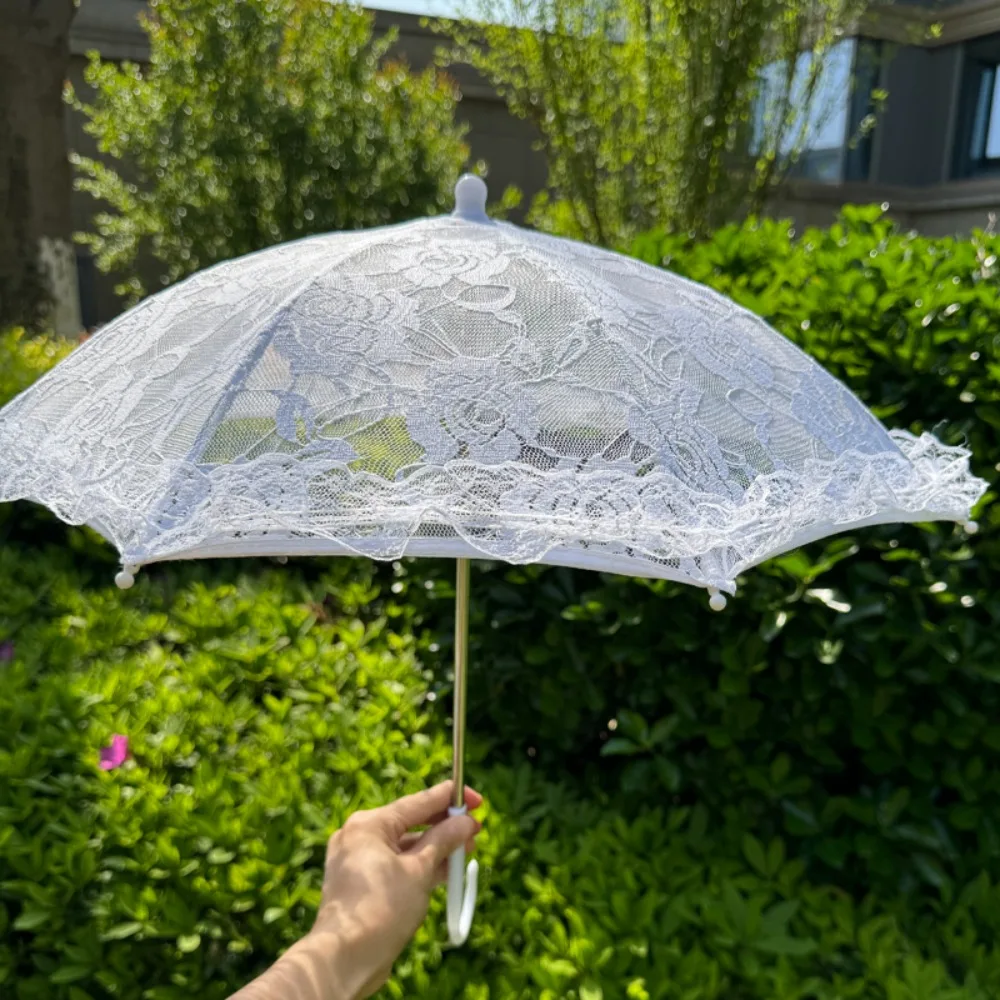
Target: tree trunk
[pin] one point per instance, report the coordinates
(38, 284)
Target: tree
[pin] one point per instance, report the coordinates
(656, 112)
(37, 263)
(255, 122)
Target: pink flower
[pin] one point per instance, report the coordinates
(114, 755)
(6, 651)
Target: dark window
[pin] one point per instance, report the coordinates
(831, 133)
(977, 136)
(866, 80)
(86, 282)
(984, 124)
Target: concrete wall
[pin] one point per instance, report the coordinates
(913, 153)
(950, 209)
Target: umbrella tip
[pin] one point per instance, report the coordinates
(126, 577)
(716, 601)
(470, 199)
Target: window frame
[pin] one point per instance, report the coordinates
(979, 58)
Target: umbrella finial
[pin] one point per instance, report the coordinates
(470, 199)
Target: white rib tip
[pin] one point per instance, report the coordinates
(971, 527)
(124, 580)
(716, 601)
(283, 560)
(470, 199)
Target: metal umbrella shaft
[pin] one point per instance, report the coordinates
(461, 679)
(461, 882)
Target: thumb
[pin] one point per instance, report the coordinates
(437, 843)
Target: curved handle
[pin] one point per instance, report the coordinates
(462, 888)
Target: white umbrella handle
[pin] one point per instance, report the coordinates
(462, 884)
(462, 888)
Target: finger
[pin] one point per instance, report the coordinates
(439, 841)
(411, 838)
(423, 807)
(474, 797)
(441, 872)
(473, 800)
(408, 840)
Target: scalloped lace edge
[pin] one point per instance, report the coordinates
(607, 519)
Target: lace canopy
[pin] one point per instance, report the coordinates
(461, 387)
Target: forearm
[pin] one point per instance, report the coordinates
(315, 968)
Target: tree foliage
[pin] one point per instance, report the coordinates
(656, 112)
(255, 122)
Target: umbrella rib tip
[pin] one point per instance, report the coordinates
(716, 601)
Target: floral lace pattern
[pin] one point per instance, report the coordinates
(461, 388)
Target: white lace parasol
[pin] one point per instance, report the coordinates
(461, 387)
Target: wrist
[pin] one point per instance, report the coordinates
(323, 963)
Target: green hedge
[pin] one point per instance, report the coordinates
(261, 709)
(798, 798)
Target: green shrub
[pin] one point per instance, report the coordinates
(261, 709)
(25, 357)
(255, 122)
(260, 712)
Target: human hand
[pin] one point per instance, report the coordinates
(376, 889)
(380, 873)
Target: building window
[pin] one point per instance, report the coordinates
(828, 130)
(977, 137)
(985, 145)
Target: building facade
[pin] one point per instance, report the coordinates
(933, 154)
